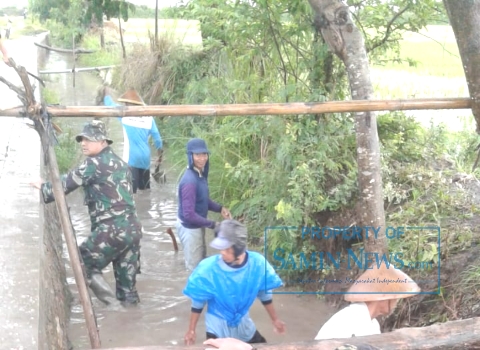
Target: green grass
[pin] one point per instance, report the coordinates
(431, 52)
(186, 31)
(428, 58)
(21, 27)
(100, 57)
(429, 66)
(50, 96)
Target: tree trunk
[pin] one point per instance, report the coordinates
(156, 24)
(464, 16)
(333, 20)
(121, 37)
(102, 35)
(462, 334)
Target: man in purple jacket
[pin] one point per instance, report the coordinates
(194, 203)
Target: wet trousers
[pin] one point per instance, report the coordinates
(121, 249)
(193, 242)
(141, 179)
(257, 338)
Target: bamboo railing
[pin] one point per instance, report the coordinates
(295, 108)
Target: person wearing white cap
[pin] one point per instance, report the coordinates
(229, 283)
(375, 293)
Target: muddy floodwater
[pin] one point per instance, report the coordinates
(163, 314)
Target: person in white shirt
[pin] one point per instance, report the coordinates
(375, 293)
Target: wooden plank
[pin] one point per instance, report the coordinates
(462, 334)
(64, 50)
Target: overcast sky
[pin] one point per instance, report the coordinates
(151, 3)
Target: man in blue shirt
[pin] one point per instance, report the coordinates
(229, 283)
(136, 133)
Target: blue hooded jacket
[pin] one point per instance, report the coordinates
(193, 194)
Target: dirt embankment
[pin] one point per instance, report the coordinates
(452, 288)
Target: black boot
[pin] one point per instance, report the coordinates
(131, 299)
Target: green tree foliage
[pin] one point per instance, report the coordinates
(48, 9)
(143, 11)
(272, 170)
(96, 9)
(64, 19)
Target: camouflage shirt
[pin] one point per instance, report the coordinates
(107, 183)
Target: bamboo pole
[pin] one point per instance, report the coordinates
(262, 109)
(84, 69)
(31, 110)
(73, 54)
(73, 252)
(253, 109)
(64, 50)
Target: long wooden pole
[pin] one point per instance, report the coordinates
(253, 109)
(461, 334)
(63, 50)
(85, 69)
(262, 109)
(73, 54)
(73, 251)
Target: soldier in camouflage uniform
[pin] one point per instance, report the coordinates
(116, 229)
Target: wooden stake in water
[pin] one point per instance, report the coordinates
(73, 53)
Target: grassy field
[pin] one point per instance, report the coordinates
(430, 63)
(438, 72)
(433, 51)
(185, 31)
(435, 69)
(430, 67)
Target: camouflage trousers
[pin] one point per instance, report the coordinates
(105, 245)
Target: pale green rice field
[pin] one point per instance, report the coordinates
(438, 73)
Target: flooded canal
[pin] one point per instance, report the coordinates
(163, 314)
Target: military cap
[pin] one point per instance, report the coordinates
(94, 131)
